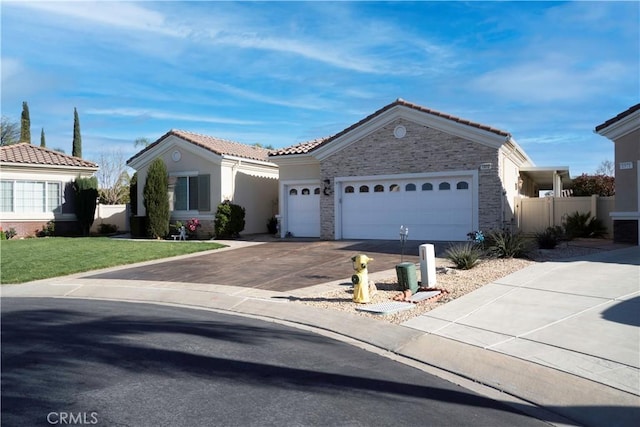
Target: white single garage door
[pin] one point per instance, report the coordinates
(303, 210)
(433, 208)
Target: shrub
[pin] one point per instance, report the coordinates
(587, 185)
(10, 233)
(583, 225)
(86, 194)
(504, 244)
(3, 236)
(48, 230)
(107, 228)
(229, 220)
(156, 200)
(549, 238)
(464, 256)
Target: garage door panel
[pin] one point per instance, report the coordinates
(431, 214)
(303, 211)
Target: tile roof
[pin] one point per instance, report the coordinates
(219, 146)
(618, 117)
(312, 145)
(301, 148)
(27, 154)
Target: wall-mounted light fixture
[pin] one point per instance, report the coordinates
(327, 187)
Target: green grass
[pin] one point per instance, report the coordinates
(33, 259)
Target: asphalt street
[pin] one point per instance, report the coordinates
(125, 364)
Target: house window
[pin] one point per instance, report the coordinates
(444, 186)
(427, 186)
(6, 196)
(293, 192)
(30, 196)
(316, 190)
(349, 189)
(462, 185)
(410, 187)
(305, 192)
(378, 189)
(394, 188)
(191, 193)
(364, 189)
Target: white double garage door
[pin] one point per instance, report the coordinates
(440, 207)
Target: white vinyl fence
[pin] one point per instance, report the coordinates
(536, 214)
(117, 215)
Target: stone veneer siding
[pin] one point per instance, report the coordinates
(422, 149)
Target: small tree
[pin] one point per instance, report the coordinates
(606, 168)
(25, 124)
(43, 142)
(156, 200)
(587, 185)
(229, 220)
(77, 139)
(113, 179)
(9, 131)
(86, 196)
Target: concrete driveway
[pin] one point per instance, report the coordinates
(281, 265)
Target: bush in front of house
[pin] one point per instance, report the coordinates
(229, 220)
(550, 237)
(105, 228)
(86, 199)
(464, 256)
(156, 200)
(583, 225)
(505, 244)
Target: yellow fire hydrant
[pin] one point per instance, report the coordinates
(360, 280)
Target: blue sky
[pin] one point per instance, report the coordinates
(279, 73)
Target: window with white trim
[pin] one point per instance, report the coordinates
(191, 193)
(30, 196)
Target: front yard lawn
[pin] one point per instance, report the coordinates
(34, 259)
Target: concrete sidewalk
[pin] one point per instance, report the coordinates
(563, 335)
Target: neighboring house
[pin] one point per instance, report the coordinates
(439, 175)
(624, 131)
(205, 171)
(36, 187)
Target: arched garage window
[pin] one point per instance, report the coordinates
(427, 186)
(444, 186)
(293, 192)
(462, 185)
(364, 189)
(410, 187)
(305, 192)
(378, 189)
(316, 190)
(348, 189)
(394, 187)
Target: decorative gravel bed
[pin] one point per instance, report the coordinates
(455, 282)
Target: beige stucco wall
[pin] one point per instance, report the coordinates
(422, 149)
(627, 149)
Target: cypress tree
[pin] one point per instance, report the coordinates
(42, 141)
(77, 139)
(25, 124)
(156, 200)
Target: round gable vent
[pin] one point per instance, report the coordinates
(400, 131)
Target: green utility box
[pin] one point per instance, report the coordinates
(407, 278)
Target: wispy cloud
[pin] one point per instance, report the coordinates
(142, 113)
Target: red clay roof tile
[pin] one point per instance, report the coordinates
(27, 154)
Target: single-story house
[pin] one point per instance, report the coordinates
(624, 131)
(36, 187)
(205, 171)
(406, 165)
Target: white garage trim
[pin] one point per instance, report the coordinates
(311, 226)
(471, 176)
